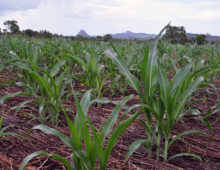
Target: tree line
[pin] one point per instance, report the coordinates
(13, 28)
(173, 34)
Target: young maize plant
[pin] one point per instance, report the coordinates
(48, 89)
(92, 71)
(163, 99)
(87, 152)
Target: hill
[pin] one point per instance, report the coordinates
(132, 35)
(83, 33)
(209, 37)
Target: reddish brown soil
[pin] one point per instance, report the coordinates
(14, 149)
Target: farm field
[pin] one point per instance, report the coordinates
(163, 96)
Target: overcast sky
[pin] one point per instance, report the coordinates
(98, 17)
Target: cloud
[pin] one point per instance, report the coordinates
(101, 16)
(12, 5)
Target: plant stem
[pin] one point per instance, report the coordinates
(158, 145)
(166, 148)
(149, 137)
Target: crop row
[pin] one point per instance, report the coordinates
(164, 77)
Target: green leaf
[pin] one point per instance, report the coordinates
(164, 89)
(8, 96)
(112, 119)
(129, 110)
(9, 134)
(217, 110)
(179, 78)
(41, 82)
(80, 121)
(55, 70)
(73, 132)
(59, 79)
(85, 101)
(177, 137)
(114, 137)
(67, 142)
(97, 150)
(22, 105)
(134, 146)
(185, 154)
(43, 153)
(78, 60)
(29, 157)
(188, 92)
(101, 100)
(1, 118)
(149, 68)
(54, 132)
(61, 159)
(133, 82)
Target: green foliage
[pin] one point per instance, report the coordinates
(200, 39)
(175, 35)
(86, 151)
(107, 37)
(3, 129)
(163, 99)
(164, 76)
(12, 26)
(29, 33)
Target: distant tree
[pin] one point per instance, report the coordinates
(0, 31)
(107, 37)
(12, 26)
(200, 39)
(5, 31)
(55, 35)
(175, 35)
(45, 34)
(99, 37)
(72, 38)
(30, 33)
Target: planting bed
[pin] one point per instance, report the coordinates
(14, 149)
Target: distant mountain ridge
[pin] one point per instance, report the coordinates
(144, 36)
(83, 33)
(132, 35)
(209, 37)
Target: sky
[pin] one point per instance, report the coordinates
(99, 17)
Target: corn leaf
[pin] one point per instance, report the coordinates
(43, 153)
(55, 70)
(133, 82)
(177, 137)
(81, 123)
(164, 89)
(114, 137)
(55, 132)
(112, 119)
(134, 146)
(179, 78)
(8, 96)
(185, 154)
(85, 101)
(191, 88)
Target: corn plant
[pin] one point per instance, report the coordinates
(132, 61)
(92, 74)
(48, 89)
(163, 99)
(96, 150)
